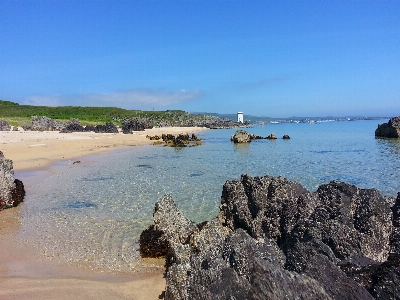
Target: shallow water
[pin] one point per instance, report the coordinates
(93, 212)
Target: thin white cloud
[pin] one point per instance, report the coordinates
(44, 100)
(262, 83)
(130, 99)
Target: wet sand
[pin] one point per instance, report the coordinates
(24, 272)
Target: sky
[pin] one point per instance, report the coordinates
(264, 58)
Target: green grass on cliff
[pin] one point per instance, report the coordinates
(18, 115)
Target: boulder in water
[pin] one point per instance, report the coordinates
(12, 190)
(390, 129)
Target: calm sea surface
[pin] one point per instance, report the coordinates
(93, 212)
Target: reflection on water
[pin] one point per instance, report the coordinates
(391, 145)
(94, 212)
(242, 149)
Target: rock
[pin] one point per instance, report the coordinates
(12, 190)
(180, 140)
(286, 137)
(170, 224)
(135, 124)
(4, 126)
(43, 123)
(272, 136)
(390, 129)
(214, 122)
(273, 239)
(241, 136)
(107, 128)
(73, 126)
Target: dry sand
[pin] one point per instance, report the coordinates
(24, 272)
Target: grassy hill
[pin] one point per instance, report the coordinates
(17, 115)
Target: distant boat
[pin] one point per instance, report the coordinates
(311, 122)
(261, 124)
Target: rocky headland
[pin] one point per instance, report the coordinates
(273, 239)
(12, 190)
(128, 125)
(390, 129)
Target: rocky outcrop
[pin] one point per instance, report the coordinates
(4, 126)
(272, 136)
(273, 239)
(74, 126)
(390, 129)
(242, 136)
(135, 124)
(12, 190)
(180, 140)
(43, 123)
(214, 122)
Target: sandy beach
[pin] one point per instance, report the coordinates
(24, 272)
(38, 149)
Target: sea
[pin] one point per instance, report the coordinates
(92, 213)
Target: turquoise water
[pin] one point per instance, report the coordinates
(93, 212)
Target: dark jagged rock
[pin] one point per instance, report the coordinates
(74, 126)
(390, 129)
(272, 136)
(107, 128)
(12, 190)
(4, 126)
(135, 124)
(286, 137)
(273, 239)
(152, 243)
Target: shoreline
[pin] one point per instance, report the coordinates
(32, 150)
(25, 273)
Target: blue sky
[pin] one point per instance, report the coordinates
(265, 58)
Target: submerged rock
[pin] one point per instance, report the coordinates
(12, 190)
(390, 129)
(273, 239)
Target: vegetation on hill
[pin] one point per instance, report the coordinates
(18, 115)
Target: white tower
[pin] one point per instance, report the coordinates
(240, 117)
